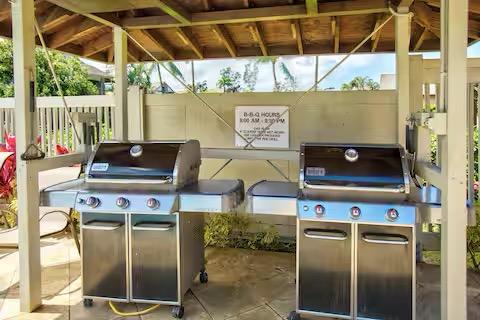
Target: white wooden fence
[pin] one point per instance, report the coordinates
(53, 122)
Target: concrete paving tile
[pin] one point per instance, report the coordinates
(193, 310)
(258, 313)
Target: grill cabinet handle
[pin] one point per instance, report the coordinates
(348, 188)
(153, 226)
(382, 238)
(323, 234)
(102, 225)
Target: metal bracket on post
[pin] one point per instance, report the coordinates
(435, 121)
(86, 124)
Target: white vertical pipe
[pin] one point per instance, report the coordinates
(453, 100)
(121, 85)
(23, 13)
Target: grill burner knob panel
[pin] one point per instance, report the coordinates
(319, 210)
(355, 212)
(92, 202)
(153, 203)
(392, 215)
(122, 202)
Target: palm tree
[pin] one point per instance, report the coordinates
(283, 67)
(361, 83)
(172, 68)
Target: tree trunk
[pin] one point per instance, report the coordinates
(275, 83)
(316, 73)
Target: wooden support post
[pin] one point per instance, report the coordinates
(453, 86)
(121, 85)
(402, 46)
(27, 177)
(135, 113)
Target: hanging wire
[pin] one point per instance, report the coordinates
(55, 79)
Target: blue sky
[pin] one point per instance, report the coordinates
(302, 67)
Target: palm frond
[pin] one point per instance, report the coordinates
(174, 70)
(286, 72)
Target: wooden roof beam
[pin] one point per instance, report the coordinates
(206, 5)
(55, 18)
(222, 34)
(421, 39)
(312, 7)
(285, 12)
(376, 37)
(297, 35)
(256, 31)
(174, 10)
(73, 32)
(97, 45)
(473, 5)
(148, 40)
(188, 38)
(336, 34)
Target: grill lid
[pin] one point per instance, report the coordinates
(350, 167)
(155, 162)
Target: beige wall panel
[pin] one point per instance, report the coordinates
(164, 122)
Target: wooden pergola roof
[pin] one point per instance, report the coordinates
(201, 29)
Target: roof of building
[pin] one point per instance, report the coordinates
(200, 29)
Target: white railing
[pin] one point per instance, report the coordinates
(53, 122)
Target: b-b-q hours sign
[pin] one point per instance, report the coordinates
(250, 121)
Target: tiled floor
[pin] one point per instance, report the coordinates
(243, 285)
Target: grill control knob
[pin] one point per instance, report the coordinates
(92, 202)
(392, 215)
(355, 212)
(319, 210)
(153, 203)
(122, 202)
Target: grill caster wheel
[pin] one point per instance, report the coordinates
(177, 312)
(87, 303)
(203, 277)
(294, 316)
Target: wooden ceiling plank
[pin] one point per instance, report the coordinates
(312, 7)
(188, 37)
(421, 39)
(297, 35)
(427, 18)
(174, 10)
(97, 45)
(285, 12)
(55, 18)
(336, 41)
(72, 32)
(206, 5)
(405, 3)
(257, 34)
(225, 38)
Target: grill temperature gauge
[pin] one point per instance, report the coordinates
(153, 203)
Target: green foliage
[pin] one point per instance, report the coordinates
(199, 86)
(229, 80)
(250, 76)
(473, 242)
(361, 83)
(72, 75)
(140, 75)
(230, 230)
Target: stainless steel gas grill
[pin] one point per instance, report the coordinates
(355, 230)
(142, 240)
(355, 233)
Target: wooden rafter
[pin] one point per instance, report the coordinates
(257, 35)
(312, 7)
(376, 36)
(336, 34)
(297, 35)
(405, 3)
(174, 10)
(97, 45)
(188, 38)
(206, 5)
(246, 3)
(286, 12)
(421, 39)
(222, 34)
(73, 32)
(153, 43)
(110, 54)
(56, 17)
(473, 5)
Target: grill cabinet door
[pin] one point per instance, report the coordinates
(325, 265)
(385, 268)
(104, 255)
(154, 257)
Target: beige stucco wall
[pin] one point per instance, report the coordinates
(325, 116)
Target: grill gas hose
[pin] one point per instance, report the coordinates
(130, 314)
